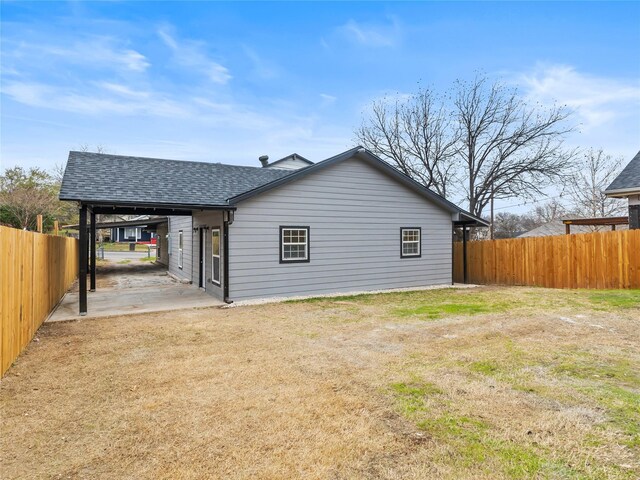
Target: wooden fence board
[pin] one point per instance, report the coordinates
(602, 260)
(35, 272)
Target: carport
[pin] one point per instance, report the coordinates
(115, 185)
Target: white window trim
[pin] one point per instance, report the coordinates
(213, 256)
(307, 243)
(403, 242)
(180, 248)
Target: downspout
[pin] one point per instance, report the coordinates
(225, 254)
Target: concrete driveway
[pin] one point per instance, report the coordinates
(131, 288)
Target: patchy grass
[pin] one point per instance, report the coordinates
(616, 298)
(124, 261)
(148, 259)
(425, 304)
(432, 312)
(469, 438)
(529, 383)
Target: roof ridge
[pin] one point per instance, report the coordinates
(199, 162)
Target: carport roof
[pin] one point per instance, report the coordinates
(115, 179)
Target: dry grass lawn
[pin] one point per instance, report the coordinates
(473, 383)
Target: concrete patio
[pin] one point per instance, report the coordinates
(136, 287)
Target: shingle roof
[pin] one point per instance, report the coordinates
(111, 179)
(97, 177)
(629, 177)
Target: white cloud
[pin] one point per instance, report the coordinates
(606, 108)
(372, 35)
(93, 52)
(94, 102)
(262, 68)
(191, 54)
(123, 90)
(597, 100)
(327, 99)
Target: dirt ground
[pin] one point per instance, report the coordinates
(473, 383)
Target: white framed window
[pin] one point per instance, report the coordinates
(294, 244)
(180, 248)
(130, 233)
(215, 255)
(410, 242)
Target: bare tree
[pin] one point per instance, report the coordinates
(591, 176)
(84, 147)
(508, 149)
(485, 144)
(416, 135)
(552, 210)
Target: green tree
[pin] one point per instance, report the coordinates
(25, 194)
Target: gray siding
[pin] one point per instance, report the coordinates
(175, 225)
(162, 250)
(211, 220)
(355, 213)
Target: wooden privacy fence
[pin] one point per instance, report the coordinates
(35, 272)
(590, 260)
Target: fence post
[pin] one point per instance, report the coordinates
(39, 223)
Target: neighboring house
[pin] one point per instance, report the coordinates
(627, 185)
(349, 223)
(130, 234)
(559, 227)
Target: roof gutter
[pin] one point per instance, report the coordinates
(134, 205)
(622, 192)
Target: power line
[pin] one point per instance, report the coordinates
(529, 203)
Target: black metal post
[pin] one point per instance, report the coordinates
(93, 252)
(464, 252)
(83, 259)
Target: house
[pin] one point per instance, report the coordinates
(553, 227)
(348, 223)
(627, 185)
(132, 233)
(568, 226)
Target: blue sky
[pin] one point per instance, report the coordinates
(229, 82)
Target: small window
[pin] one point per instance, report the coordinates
(410, 242)
(294, 244)
(129, 233)
(215, 256)
(180, 249)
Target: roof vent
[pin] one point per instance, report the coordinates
(264, 160)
